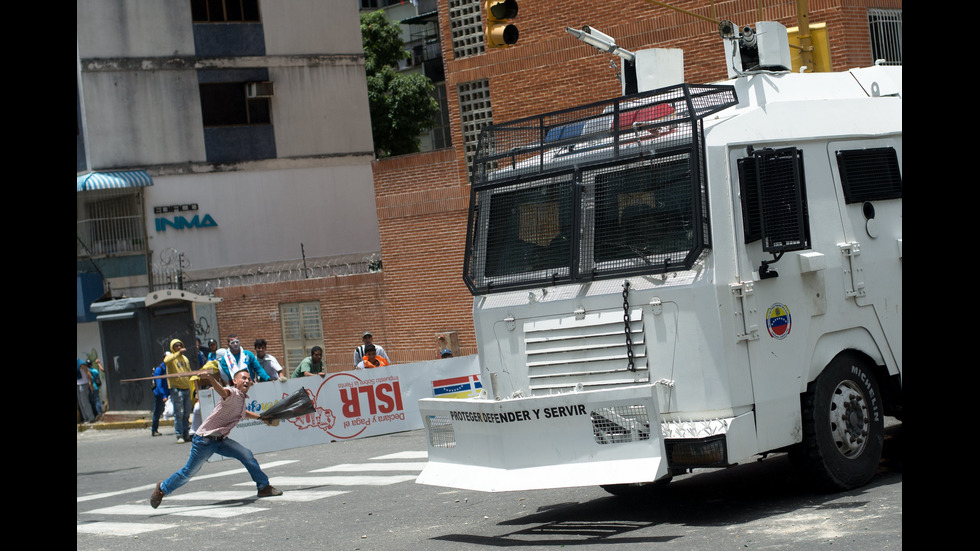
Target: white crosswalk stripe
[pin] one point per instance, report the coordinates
(119, 528)
(207, 511)
(371, 467)
(366, 480)
(300, 496)
(403, 455)
(149, 487)
(234, 503)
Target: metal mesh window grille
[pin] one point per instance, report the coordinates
(113, 224)
(886, 35)
(751, 219)
(644, 215)
(475, 113)
(466, 26)
(302, 329)
(782, 201)
(440, 431)
(870, 174)
(619, 424)
(442, 131)
(602, 190)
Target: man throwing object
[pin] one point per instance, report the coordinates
(212, 437)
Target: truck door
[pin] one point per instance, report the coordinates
(772, 229)
(868, 178)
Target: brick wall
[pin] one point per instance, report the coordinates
(346, 310)
(549, 69)
(422, 208)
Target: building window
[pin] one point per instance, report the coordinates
(442, 135)
(225, 104)
(225, 11)
(474, 113)
(466, 25)
(113, 224)
(869, 174)
(302, 329)
(886, 35)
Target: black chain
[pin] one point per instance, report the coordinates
(626, 320)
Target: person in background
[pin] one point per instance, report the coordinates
(84, 381)
(371, 359)
(161, 392)
(368, 339)
(269, 362)
(446, 353)
(237, 357)
(311, 365)
(98, 378)
(180, 389)
(212, 350)
(202, 357)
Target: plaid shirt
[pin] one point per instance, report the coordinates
(226, 414)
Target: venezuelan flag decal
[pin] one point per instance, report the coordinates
(778, 321)
(457, 387)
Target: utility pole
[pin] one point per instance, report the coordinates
(803, 23)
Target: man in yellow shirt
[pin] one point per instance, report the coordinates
(180, 389)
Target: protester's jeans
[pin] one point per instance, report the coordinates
(182, 410)
(158, 406)
(202, 448)
(96, 402)
(85, 403)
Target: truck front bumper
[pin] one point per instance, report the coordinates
(575, 439)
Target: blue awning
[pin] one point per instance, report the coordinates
(113, 180)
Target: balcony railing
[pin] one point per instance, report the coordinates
(110, 236)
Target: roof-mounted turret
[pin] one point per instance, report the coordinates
(748, 50)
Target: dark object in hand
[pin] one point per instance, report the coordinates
(296, 404)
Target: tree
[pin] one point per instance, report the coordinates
(402, 106)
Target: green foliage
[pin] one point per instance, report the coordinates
(402, 106)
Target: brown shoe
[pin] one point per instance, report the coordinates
(269, 491)
(157, 496)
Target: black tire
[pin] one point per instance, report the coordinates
(843, 426)
(638, 489)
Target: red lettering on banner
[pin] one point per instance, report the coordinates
(382, 398)
(352, 406)
(369, 392)
(387, 405)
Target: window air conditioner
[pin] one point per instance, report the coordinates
(259, 89)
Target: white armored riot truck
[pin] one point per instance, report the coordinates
(684, 278)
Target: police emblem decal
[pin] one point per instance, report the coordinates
(778, 321)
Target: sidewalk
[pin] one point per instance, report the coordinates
(112, 420)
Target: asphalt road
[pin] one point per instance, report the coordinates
(361, 495)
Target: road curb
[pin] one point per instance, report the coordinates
(113, 425)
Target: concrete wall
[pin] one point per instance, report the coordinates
(321, 109)
(263, 216)
(299, 27)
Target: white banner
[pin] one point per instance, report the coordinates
(352, 404)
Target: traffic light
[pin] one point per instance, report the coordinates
(500, 32)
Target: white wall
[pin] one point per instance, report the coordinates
(298, 27)
(142, 118)
(128, 28)
(321, 109)
(263, 216)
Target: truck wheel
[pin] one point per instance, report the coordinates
(843, 426)
(638, 489)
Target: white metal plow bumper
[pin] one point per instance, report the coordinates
(576, 439)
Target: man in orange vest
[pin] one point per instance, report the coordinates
(371, 358)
